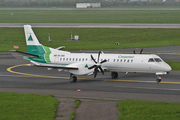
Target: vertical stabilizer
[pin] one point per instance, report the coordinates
(33, 44)
(31, 38)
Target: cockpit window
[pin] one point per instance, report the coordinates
(157, 60)
(151, 60)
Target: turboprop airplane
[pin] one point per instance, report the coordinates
(87, 63)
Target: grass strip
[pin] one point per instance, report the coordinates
(21, 106)
(91, 38)
(148, 110)
(77, 102)
(89, 16)
(174, 65)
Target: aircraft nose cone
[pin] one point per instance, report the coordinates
(168, 68)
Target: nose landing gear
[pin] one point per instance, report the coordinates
(158, 80)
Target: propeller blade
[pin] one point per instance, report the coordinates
(97, 65)
(101, 70)
(141, 51)
(103, 61)
(93, 59)
(92, 67)
(95, 72)
(134, 52)
(98, 56)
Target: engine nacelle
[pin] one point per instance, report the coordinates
(82, 68)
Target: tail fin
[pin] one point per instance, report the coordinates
(33, 44)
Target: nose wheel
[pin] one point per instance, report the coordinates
(158, 80)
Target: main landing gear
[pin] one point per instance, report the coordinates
(73, 78)
(114, 74)
(158, 80)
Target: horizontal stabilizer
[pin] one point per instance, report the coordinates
(59, 48)
(24, 53)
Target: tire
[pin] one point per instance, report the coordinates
(158, 80)
(73, 78)
(114, 75)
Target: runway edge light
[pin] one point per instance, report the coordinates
(72, 36)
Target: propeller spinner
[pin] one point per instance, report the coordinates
(97, 65)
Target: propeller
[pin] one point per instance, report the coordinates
(139, 52)
(97, 65)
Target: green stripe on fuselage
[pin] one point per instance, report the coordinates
(43, 51)
(47, 54)
(36, 49)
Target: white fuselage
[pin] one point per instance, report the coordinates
(146, 63)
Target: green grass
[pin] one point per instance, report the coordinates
(148, 110)
(91, 38)
(72, 115)
(174, 65)
(77, 102)
(20, 106)
(89, 16)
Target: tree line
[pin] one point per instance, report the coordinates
(72, 3)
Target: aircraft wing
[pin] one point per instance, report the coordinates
(55, 66)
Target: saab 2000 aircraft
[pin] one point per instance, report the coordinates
(87, 63)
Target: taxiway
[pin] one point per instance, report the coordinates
(91, 25)
(16, 75)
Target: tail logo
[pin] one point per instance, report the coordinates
(30, 38)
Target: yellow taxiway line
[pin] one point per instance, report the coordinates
(43, 76)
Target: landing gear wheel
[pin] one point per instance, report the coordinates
(114, 74)
(73, 78)
(158, 80)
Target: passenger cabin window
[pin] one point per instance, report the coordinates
(151, 60)
(157, 60)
